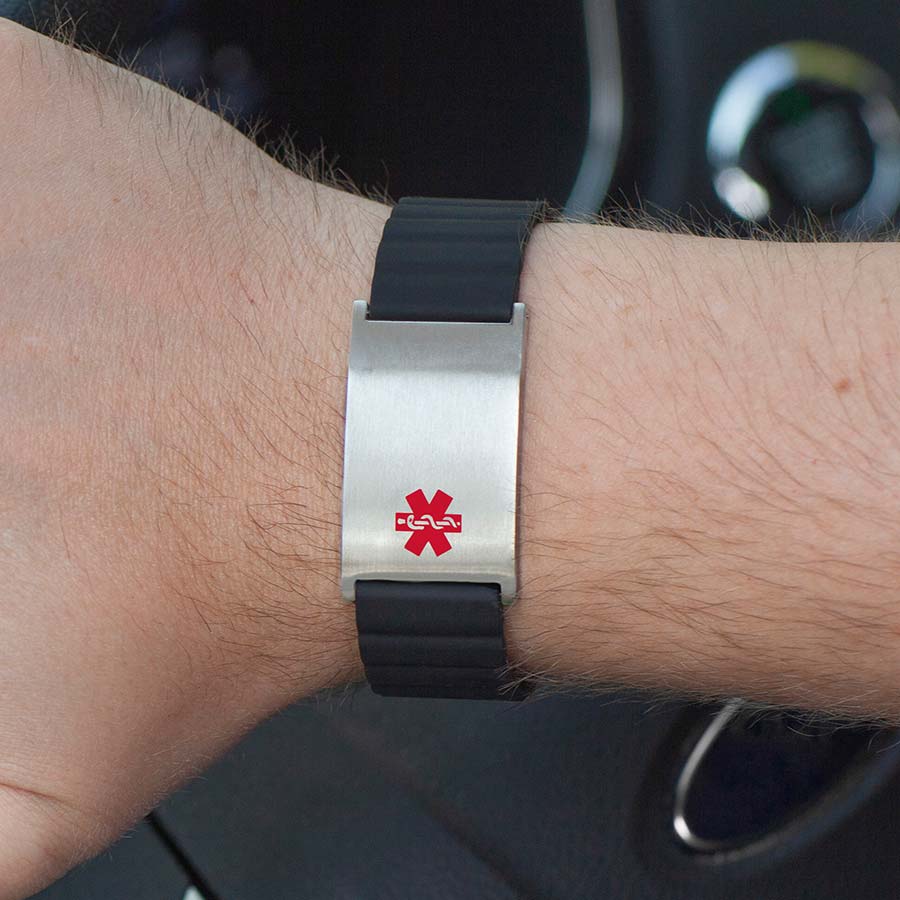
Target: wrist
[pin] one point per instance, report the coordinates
(676, 489)
(315, 248)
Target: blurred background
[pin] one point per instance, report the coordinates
(764, 111)
(734, 117)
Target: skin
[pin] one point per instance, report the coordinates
(709, 462)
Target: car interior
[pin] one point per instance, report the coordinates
(726, 118)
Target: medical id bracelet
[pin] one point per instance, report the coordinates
(428, 549)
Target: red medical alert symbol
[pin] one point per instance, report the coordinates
(429, 522)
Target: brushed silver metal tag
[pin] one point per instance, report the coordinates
(431, 451)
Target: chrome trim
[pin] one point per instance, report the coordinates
(686, 778)
(432, 406)
(606, 114)
(847, 794)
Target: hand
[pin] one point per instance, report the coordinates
(170, 399)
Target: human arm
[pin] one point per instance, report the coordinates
(709, 449)
(715, 476)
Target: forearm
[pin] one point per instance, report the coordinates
(709, 438)
(708, 468)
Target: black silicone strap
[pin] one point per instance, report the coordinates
(451, 260)
(432, 639)
(442, 261)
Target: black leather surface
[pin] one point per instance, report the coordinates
(312, 806)
(138, 867)
(559, 798)
(554, 799)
